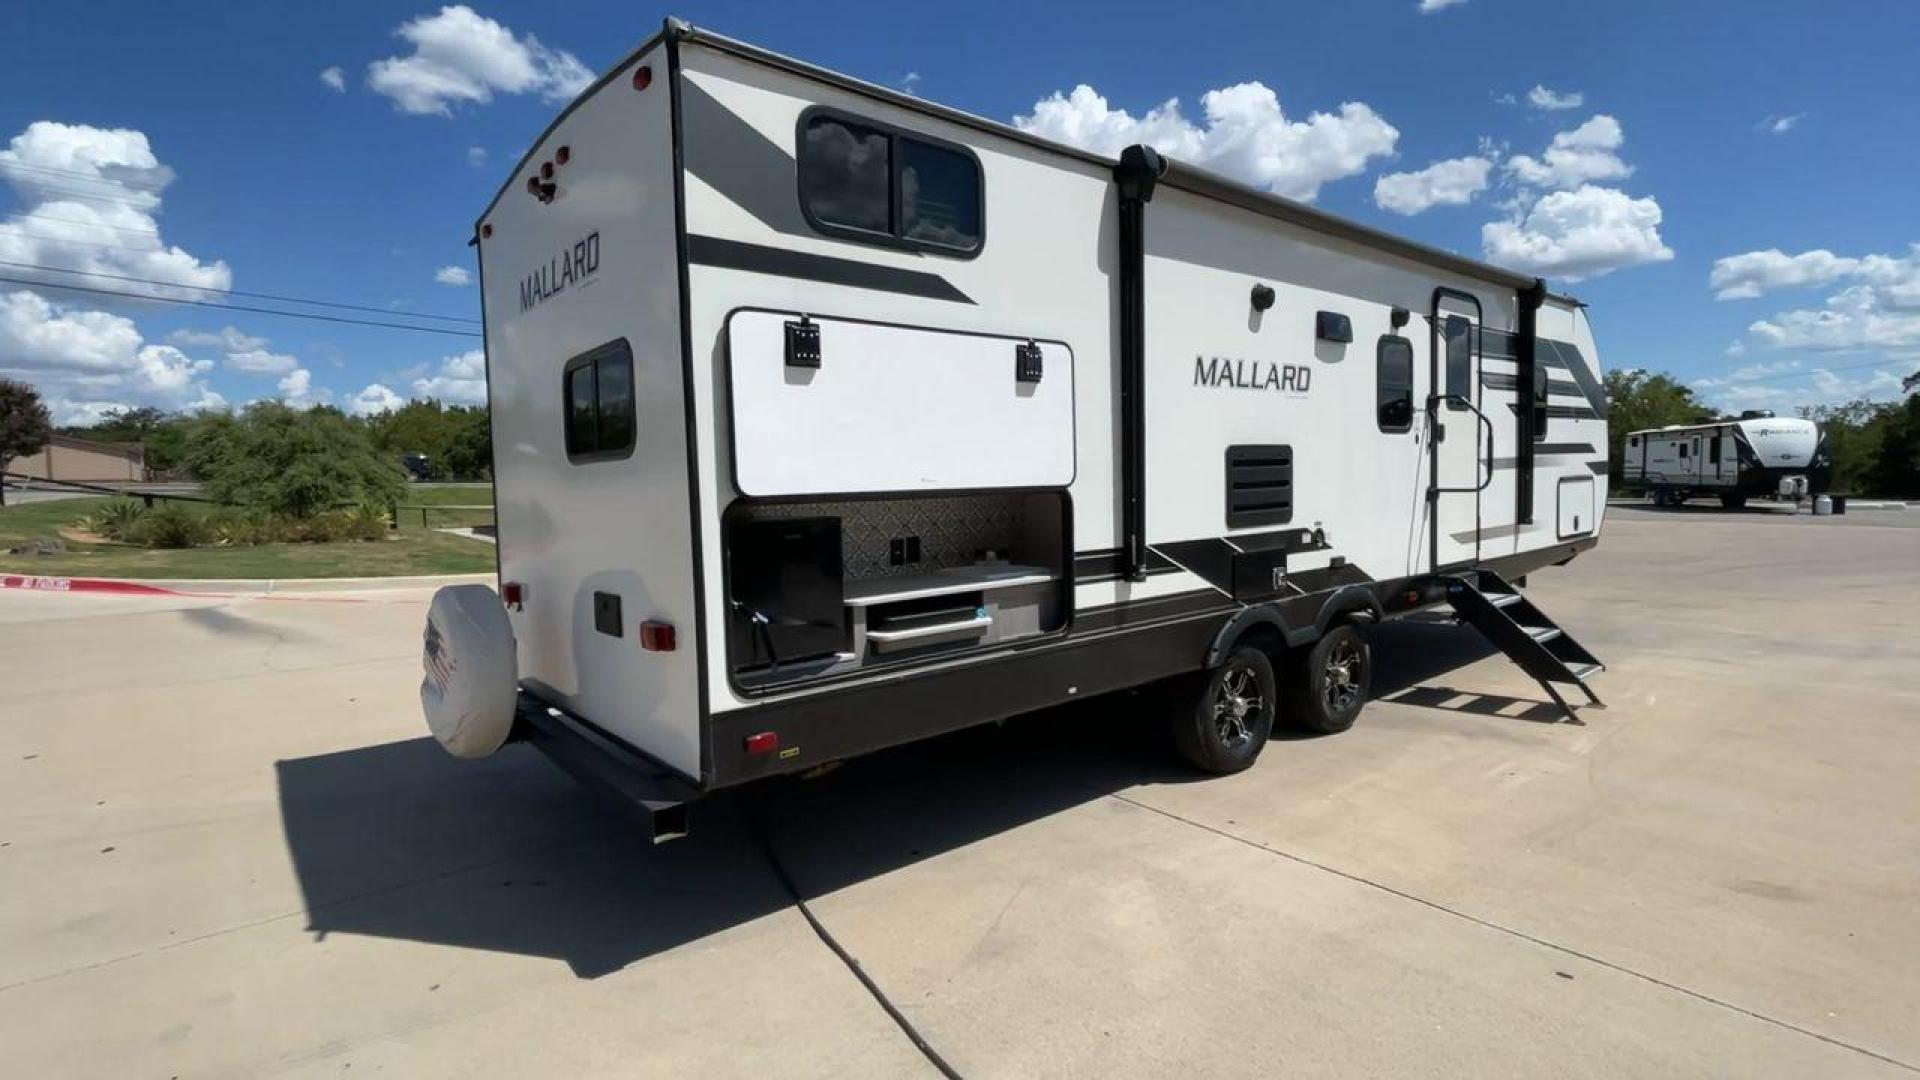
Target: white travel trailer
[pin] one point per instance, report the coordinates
(1758, 454)
(827, 418)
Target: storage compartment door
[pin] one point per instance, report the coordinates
(881, 408)
(1576, 506)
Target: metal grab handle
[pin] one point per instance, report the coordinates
(1433, 414)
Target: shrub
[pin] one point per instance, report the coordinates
(170, 527)
(114, 519)
(274, 459)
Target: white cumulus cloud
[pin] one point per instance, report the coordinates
(374, 398)
(88, 203)
(1244, 134)
(1444, 183)
(1427, 7)
(1781, 124)
(1575, 229)
(476, 156)
(1578, 234)
(262, 362)
(229, 338)
(335, 79)
(297, 390)
(1588, 152)
(1752, 273)
(85, 362)
(461, 380)
(462, 57)
(453, 275)
(1553, 101)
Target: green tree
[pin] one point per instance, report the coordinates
(1854, 432)
(1637, 400)
(470, 455)
(25, 425)
(162, 434)
(284, 461)
(1895, 470)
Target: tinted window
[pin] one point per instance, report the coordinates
(581, 436)
(882, 185)
(939, 196)
(1539, 402)
(598, 390)
(845, 173)
(1459, 360)
(1393, 403)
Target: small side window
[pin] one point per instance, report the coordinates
(598, 399)
(1634, 442)
(880, 185)
(1393, 394)
(1683, 449)
(1459, 335)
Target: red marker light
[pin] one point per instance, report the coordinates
(486, 231)
(764, 743)
(511, 594)
(546, 170)
(562, 155)
(642, 77)
(657, 637)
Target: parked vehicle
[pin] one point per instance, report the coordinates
(828, 418)
(1758, 454)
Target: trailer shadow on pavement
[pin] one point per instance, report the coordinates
(508, 854)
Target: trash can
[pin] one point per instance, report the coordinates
(1839, 504)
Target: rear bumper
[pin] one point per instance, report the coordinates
(653, 798)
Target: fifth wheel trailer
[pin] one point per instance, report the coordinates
(1758, 454)
(827, 418)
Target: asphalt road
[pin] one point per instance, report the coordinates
(228, 849)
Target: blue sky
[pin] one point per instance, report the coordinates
(1663, 154)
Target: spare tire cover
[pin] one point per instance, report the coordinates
(472, 676)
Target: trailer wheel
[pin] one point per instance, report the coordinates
(1733, 502)
(1330, 683)
(1222, 728)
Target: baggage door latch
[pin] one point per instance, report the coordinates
(1026, 362)
(803, 343)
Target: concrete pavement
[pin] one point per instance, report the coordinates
(230, 850)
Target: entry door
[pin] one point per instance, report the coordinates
(1458, 432)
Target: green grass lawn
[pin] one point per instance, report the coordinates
(409, 551)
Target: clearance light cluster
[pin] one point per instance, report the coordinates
(541, 184)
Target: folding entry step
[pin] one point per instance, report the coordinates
(1521, 630)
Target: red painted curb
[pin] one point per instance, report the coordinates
(34, 583)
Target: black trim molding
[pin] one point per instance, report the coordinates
(782, 262)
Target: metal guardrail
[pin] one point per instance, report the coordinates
(426, 509)
(146, 497)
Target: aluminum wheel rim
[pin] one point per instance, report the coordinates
(1239, 700)
(1343, 671)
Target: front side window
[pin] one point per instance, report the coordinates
(1393, 395)
(879, 185)
(1459, 334)
(598, 399)
(1540, 389)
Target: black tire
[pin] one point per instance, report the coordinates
(1734, 502)
(1221, 719)
(1329, 683)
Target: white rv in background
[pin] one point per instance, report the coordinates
(1757, 455)
(827, 418)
